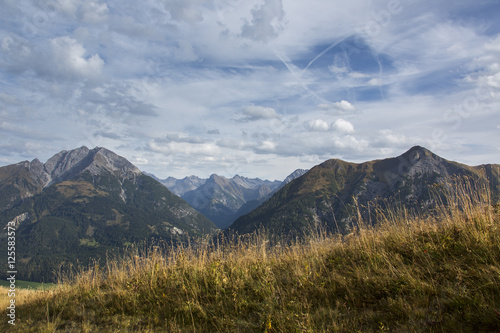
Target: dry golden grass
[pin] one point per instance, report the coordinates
(25, 296)
(408, 274)
(22, 296)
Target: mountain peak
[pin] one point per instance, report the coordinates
(91, 202)
(192, 177)
(63, 161)
(417, 153)
(68, 164)
(335, 194)
(217, 179)
(112, 162)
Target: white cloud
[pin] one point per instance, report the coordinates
(343, 126)
(485, 73)
(266, 21)
(70, 59)
(141, 161)
(389, 138)
(493, 80)
(254, 112)
(349, 142)
(494, 45)
(343, 105)
(266, 147)
(318, 125)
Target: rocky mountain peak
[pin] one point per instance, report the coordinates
(182, 186)
(108, 160)
(63, 161)
(418, 153)
(419, 160)
(69, 164)
(219, 180)
(250, 183)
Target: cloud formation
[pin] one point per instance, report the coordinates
(318, 125)
(343, 126)
(266, 22)
(258, 87)
(343, 106)
(70, 59)
(254, 113)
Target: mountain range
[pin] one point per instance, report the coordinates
(222, 199)
(181, 186)
(84, 203)
(335, 194)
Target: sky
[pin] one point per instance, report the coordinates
(257, 88)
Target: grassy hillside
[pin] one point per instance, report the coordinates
(407, 274)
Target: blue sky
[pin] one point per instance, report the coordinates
(251, 87)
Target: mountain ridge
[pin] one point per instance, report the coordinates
(334, 193)
(222, 199)
(94, 200)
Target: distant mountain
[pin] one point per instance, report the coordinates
(223, 200)
(182, 186)
(331, 193)
(253, 204)
(83, 203)
(220, 198)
